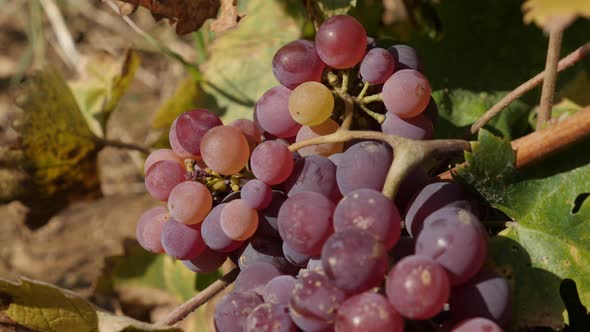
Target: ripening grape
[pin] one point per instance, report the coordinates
(487, 295)
(182, 241)
(225, 150)
(377, 66)
(149, 229)
(405, 57)
(238, 220)
(311, 103)
(417, 287)
(162, 176)
(312, 173)
(254, 277)
(272, 113)
(325, 128)
(264, 249)
(341, 42)
(213, 235)
(161, 154)
(368, 312)
(354, 260)
(279, 289)
(270, 317)
(406, 93)
(257, 194)
(477, 325)
(305, 221)
(251, 131)
(188, 130)
(297, 62)
(208, 261)
(363, 165)
(454, 238)
(272, 162)
(369, 210)
(419, 127)
(233, 309)
(189, 202)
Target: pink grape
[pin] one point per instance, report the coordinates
(149, 229)
(272, 162)
(251, 131)
(279, 289)
(232, 311)
(257, 194)
(189, 202)
(213, 234)
(377, 66)
(297, 62)
(225, 150)
(406, 93)
(341, 42)
(368, 312)
(325, 128)
(417, 287)
(405, 57)
(189, 128)
(162, 177)
(270, 317)
(238, 220)
(161, 154)
(419, 127)
(255, 277)
(182, 241)
(272, 113)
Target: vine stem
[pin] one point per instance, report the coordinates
(542, 143)
(408, 152)
(183, 310)
(563, 64)
(371, 98)
(548, 91)
(121, 145)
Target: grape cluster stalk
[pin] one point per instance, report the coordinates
(324, 203)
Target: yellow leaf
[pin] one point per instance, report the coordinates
(555, 14)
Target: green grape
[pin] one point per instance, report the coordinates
(311, 103)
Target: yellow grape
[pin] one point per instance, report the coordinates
(311, 103)
(325, 128)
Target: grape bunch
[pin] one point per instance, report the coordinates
(319, 246)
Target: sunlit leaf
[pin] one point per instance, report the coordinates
(552, 14)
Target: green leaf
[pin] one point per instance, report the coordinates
(139, 271)
(59, 147)
(331, 8)
(459, 109)
(43, 307)
(559, 111)
(101, 86)
(550, 237)
(239, 69)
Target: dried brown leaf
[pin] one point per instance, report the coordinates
(228, 16)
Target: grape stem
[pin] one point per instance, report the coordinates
(371, 98)
(408, 153)
(563, 64)
(364, 90)
(183, 310)
(548, 91)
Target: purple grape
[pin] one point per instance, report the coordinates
(272, 113)
(189, 128)
(312, 173)
(270, 318)
(149, 229)
(369, 210)
(377, 66)
(294, 257)
(336, 158)
(354, 260)
(162, 177)
(341, 42)
(182, 241)
(417, 287)
(232, 311)
(431, 198)
(297, 62)
(272, 162)
(257, 194)
(363, 165)
(255, 277)
(405, 57)
(214, 236)
(279, 289)
(305, 222)
(487, 295)
(208, 261)
(264, 249)
(477, 325)
(315, 301)
(455, 239)
(419, 127)
(368, 312)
